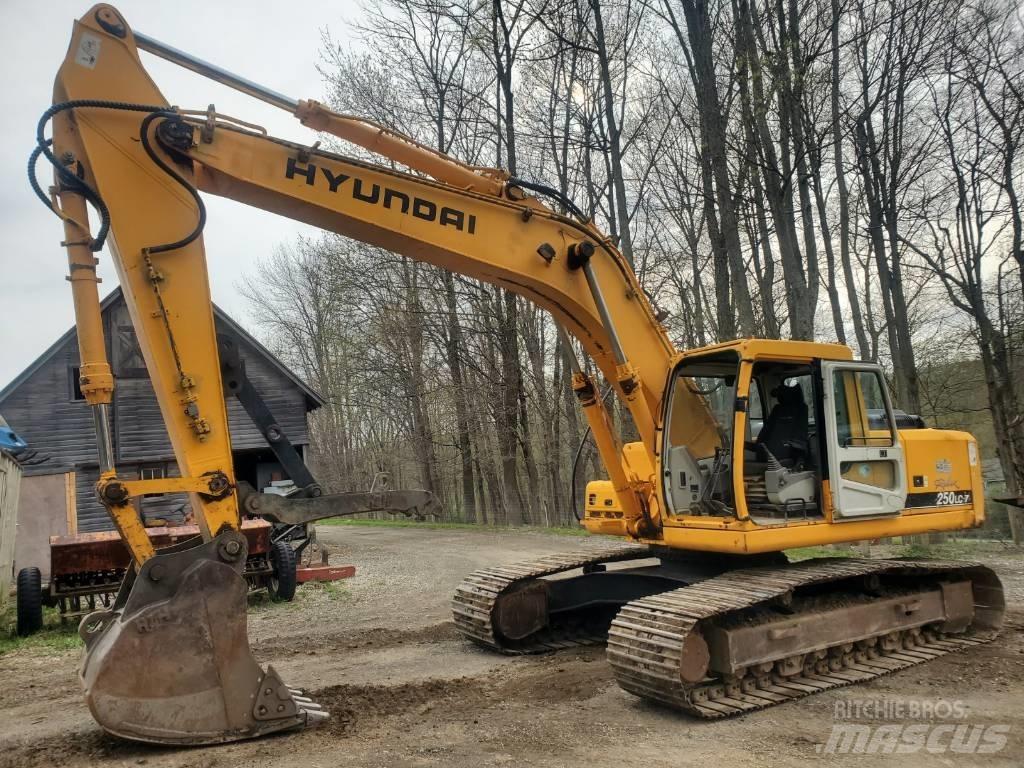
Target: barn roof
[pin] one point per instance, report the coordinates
(313, 398)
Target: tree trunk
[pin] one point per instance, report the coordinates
(712, 122)
(618, 179)
(454, 350)
(843, 191)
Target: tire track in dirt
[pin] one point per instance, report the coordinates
(347, 640)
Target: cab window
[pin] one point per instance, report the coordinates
(862, 419)
(698, 439)
(755, 410)
(700, 390)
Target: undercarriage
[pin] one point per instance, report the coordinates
(717, 635)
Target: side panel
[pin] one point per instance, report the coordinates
(10, 485)
(943, 471)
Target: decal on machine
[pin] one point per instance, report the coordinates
(391, 199)
(940, 499)
(88, 52)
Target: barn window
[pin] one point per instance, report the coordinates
(75, 383)
(152, 472)
(128, 361)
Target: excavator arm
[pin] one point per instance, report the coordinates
(118, 146)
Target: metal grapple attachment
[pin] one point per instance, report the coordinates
(170, 663)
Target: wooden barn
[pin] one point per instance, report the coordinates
(44, 405)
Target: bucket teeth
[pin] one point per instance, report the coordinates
(305, 705)
(314, 712)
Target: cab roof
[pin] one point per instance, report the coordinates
(757, 349)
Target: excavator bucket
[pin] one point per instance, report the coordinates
(170, 662)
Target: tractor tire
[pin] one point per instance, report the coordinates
(30, 601)
(282, 582)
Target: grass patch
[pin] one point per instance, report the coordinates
(373, 523)
(330, 591)
(310, 593)
(52, 638)
(808, 553)
(950, 549)
(918, 550)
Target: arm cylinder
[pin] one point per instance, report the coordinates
(95, 377)
(96, 380)
(602, 310)
(367, 134)
(212, 71)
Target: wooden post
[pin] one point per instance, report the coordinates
(10, 484)
(71, 503)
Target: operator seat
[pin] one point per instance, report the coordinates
(785, 433)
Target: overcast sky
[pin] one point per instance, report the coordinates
(272, 42)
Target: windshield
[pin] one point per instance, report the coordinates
(705, 384)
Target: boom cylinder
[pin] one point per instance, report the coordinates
(580, 257)
(570, 353)
(95, 378)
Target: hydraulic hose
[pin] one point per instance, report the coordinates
(201, 222)
(554, 194)
(65, 176)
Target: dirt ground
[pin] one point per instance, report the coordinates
(404, 690)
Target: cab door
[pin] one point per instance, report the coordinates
(867, 467)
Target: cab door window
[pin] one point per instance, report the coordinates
(755, 411)
(864, 421)
(861, 416)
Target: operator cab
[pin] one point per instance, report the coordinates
(774, 434)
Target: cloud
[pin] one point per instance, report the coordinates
(264, 41)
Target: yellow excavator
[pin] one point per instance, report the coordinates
(746, 448)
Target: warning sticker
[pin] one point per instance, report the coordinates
(88, 51)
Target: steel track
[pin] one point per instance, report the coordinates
(474, 600)
(645, 641)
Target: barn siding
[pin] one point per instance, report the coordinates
(92, 516)
(285, 400)
(140, 429)
(138, 426)
(42, 411)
